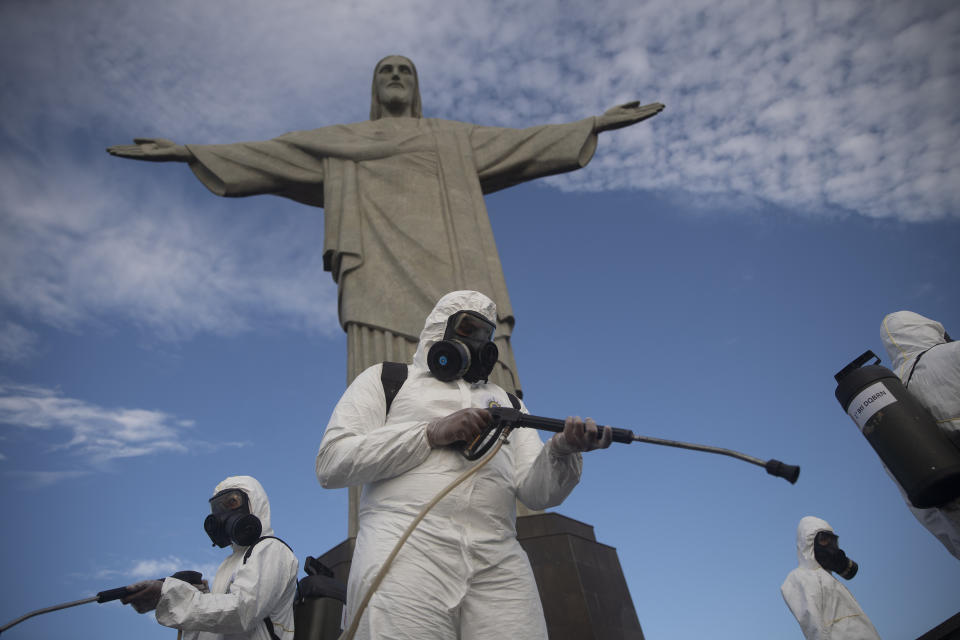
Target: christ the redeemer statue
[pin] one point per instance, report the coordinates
(405, 221)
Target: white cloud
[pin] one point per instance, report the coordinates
(40, 479)
(151, 568)
(795, 74)
(17, 343)
(156, 568)
(71, 254)
(811, 106)
(95, 434)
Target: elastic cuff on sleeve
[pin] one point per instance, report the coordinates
(558, 447)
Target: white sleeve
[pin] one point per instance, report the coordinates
(358, 447)
(544, 479)
(259, 585)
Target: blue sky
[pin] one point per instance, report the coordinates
(702, 279)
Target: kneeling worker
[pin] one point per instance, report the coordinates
(462, 572)
(253, 591)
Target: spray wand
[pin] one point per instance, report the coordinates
(193, 577)
(508, 417)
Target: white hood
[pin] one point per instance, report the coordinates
(259, 505)
(446, 306)
(807, 530)
(905, 334)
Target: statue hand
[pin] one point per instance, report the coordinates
(627, 114)
(151, 149)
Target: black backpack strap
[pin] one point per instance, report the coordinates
(246, 556)
(269, 624)
(913, 368)
(392, 377)
(514, 400)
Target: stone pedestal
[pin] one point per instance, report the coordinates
(582, 588)
(947, 630)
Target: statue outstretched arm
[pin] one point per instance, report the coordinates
(152, 150)
(627, 114)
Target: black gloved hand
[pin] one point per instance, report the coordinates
(460, 426)
(579, 435)
(143, 595)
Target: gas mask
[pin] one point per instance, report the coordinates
(831, 557)
(230, 520)
(467, 350)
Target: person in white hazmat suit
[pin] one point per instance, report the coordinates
(253, 590)
(824, 608)
(462, 573)
(927, 361)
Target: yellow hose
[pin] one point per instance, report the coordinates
(349, 633)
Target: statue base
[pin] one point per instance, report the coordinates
(949, 629)
(582, 588)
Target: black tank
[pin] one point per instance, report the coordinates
(902, 431)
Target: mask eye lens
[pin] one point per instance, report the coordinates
(468, 326)
(226, 502)
(825, 538)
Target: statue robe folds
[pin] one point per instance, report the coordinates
(405, 221)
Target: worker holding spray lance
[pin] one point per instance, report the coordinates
(400, 436)
(253, 591)
(464, 561)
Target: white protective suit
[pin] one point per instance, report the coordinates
(462, 573)
(241, 595)
(823, 607)
(936, 384)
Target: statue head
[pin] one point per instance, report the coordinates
(396, 89)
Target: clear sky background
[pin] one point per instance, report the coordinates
(702, 280)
